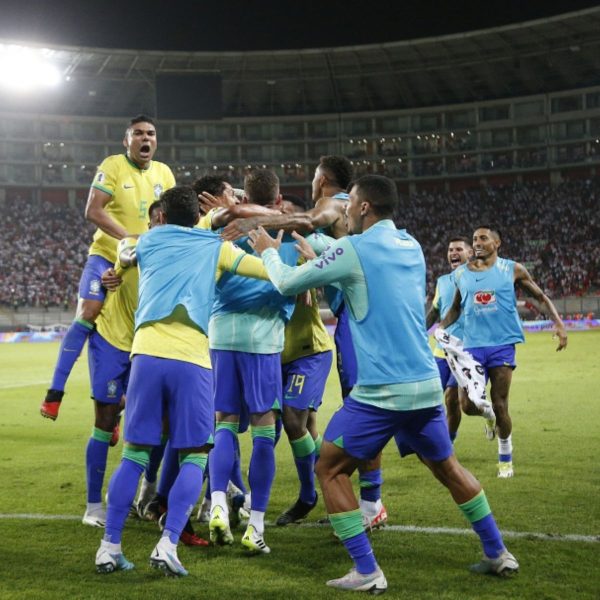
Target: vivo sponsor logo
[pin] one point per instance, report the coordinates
(327, 258)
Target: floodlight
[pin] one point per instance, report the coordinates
(25, 69)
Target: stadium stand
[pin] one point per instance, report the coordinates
(552, 230)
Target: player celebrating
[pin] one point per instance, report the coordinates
(398, 391)
(123, 188)
(170, 370)
(486, 295)
(459, 252)
(331, 179)
(246, 334)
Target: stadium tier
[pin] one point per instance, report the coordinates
(553, 230)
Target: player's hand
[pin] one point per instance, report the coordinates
(303, 247)
(561, 334)
(110, 280)
(260, 240)
(238, 228)
(208, 202)
(305, 298)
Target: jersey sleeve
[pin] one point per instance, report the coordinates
(169, 178)
(234, 260)
(336, 264)
(319, 242)
(105, 179)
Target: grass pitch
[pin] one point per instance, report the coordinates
(556, 415)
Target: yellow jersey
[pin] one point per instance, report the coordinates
(177, 337)
(305, 333)
(115, 323)
(132, 190)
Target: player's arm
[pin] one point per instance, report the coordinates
(95, 213)
(434, 312)
(314, 273)
(246, 212)
(453, 312)
(234, 260)
(524, 280)
(323, 215)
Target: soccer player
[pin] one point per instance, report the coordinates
(459, 252)
(331, 179)
(246, 332)
(381, 271)
(220, 190)
(123, 188)
(306, 362)
(485, 294)
(109, 366)
(170, 372)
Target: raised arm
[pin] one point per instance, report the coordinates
(245, 212)
(524, 280)
(326, 213)
(453, 312)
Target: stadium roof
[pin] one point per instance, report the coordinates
(545, 55)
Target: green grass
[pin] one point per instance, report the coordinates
(555, 410)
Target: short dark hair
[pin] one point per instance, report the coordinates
(296, 201)
(338, 169)
(261, 186)
(460, 238)
(156, 205)
(180, 206)
(379, 191)
(492, 228)
(213, 184)
(141, 119)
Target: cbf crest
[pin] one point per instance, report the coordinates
(111, 388)
(158, 190)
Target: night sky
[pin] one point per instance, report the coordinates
(256, 24)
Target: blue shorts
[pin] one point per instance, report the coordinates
(109, 370)
(304, 380)
(446, 375)
(363, 430)
(176, 389)
(245, 380)
(494, 356)
(346, 356)
(90, 284)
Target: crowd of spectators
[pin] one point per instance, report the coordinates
(553, 231)
(42, 251)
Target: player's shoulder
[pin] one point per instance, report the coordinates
(505, 264)
(114, 161)
(162, 168)
(458, 273)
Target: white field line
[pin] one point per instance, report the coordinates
(8, 386)
(532, 535)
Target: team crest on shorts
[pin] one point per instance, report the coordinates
(111, 388)
(158, 190)
(95, 286)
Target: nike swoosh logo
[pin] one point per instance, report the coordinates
(128, 187)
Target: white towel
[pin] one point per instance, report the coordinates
(468, 373)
